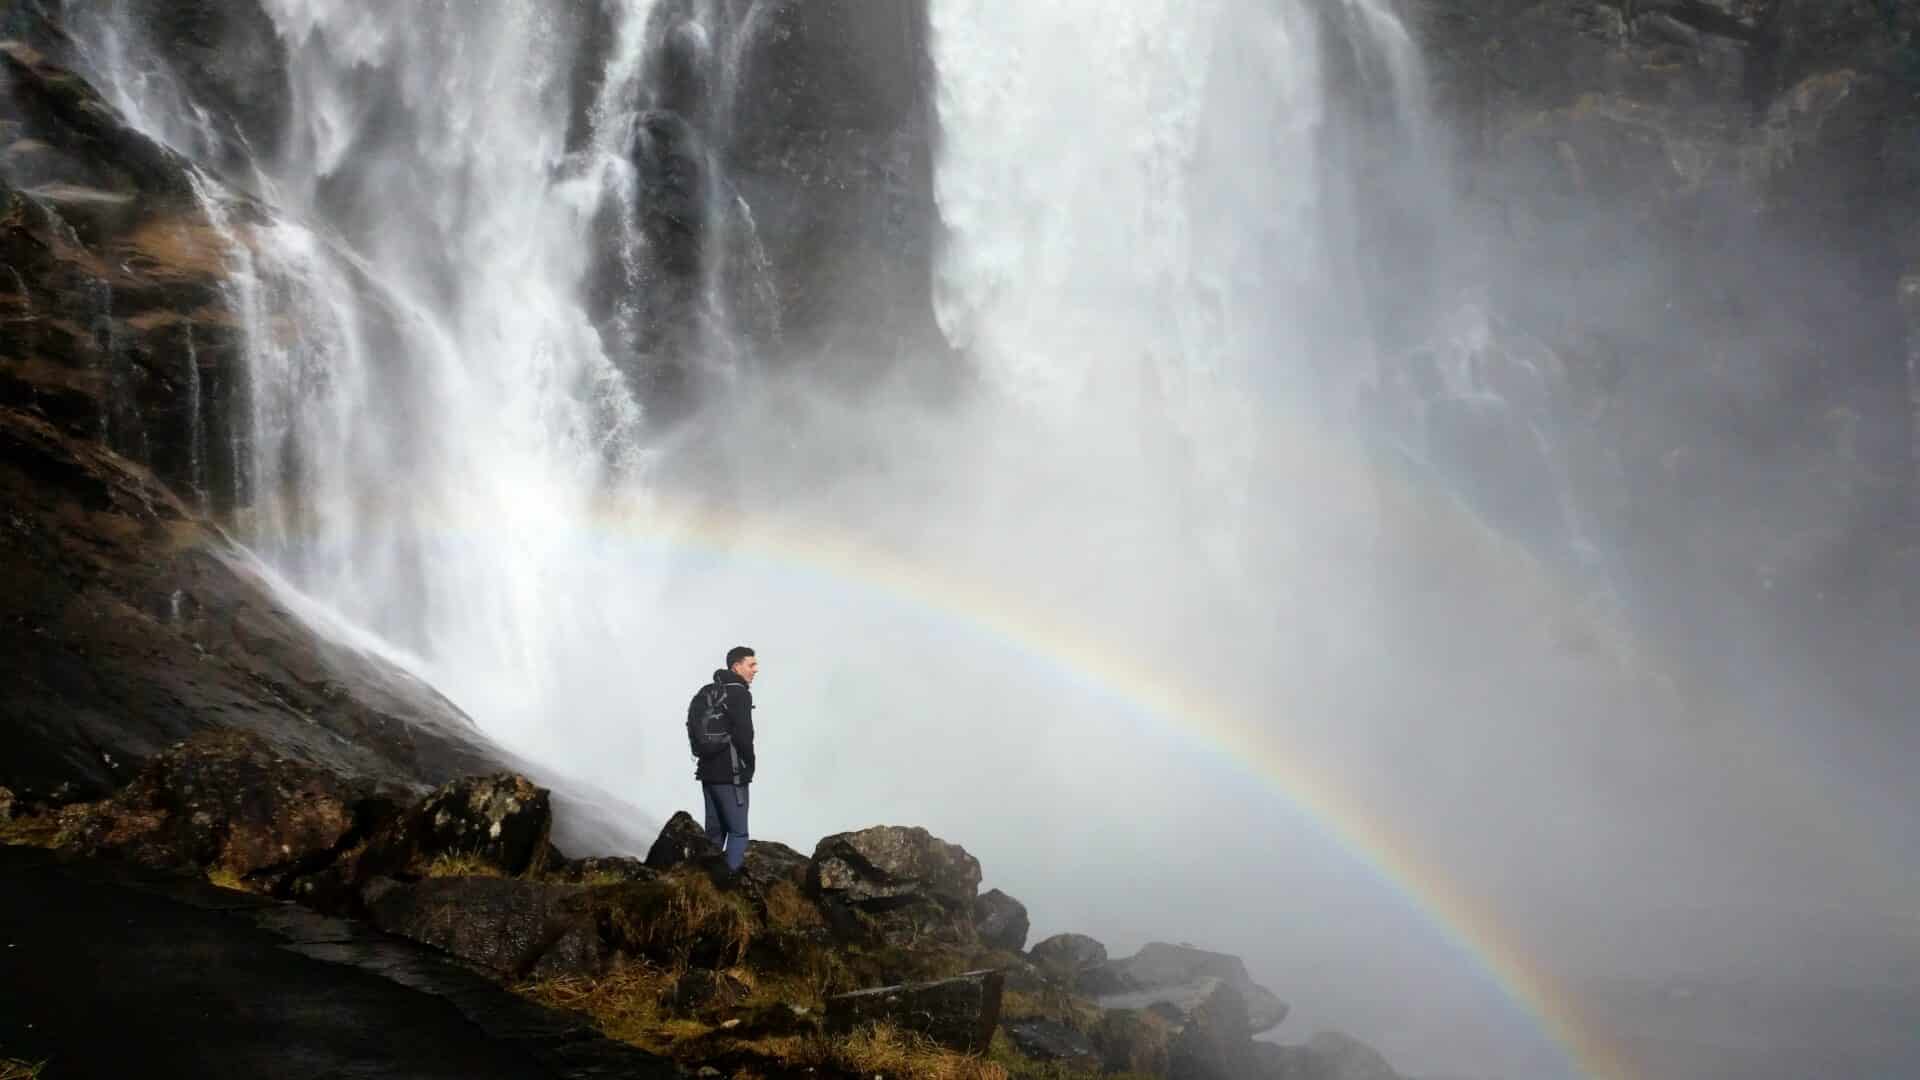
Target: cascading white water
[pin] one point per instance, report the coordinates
(428, 395)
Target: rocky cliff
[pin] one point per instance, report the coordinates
(1698, 222)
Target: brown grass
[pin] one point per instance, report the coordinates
(626, 1004)
(666, 920)
(14, 1069)
(789, 909)
(57, 829)
(881, 1050)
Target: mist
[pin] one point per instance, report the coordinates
(1237, 520)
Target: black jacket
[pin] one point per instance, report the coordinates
(719, 768)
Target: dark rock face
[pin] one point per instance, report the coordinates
(1067, 956)
(682, 840)
(1133, 1042)
(958, 1013)
(1182, 977)
(503, 820)
(225, 56)
(134, 623)
(1215, 1042)
(1045, 1040)
(513, 928)
(1701, 212)
(1001, 921)
(786, 176)
(133, 626)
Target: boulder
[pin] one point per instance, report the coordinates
(681, 840)
(227, 802)
(1131, 1041)
(1215, 1041)
(769, 861)
(1181, 977)
(891, 866)
(507, 926)
(502, 820)
(1047, 1040)
(1000, 920)
(1329, 1055)
(1066, 957)
(959, 1013)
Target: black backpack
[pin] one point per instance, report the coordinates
(708, 734)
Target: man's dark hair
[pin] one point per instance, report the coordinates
(737, 654)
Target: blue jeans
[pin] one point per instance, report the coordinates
(727, 821)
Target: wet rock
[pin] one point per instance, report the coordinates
(1067, 956)
(891, 866)
(1131, 1041)
(1046, 1040)
(958, 1013)
(226, 801)
(1181, 977)
(681, 840)
(130, 625)
(502, 820)
(1215, 1041)
(505, 925)
(1329, 1055)
(1001, 921)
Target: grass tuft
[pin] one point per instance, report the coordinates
(14, 1069)
(226, 879)
(51, 830)
(882, 1050)
(462, 866)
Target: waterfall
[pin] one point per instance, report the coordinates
(426, 394)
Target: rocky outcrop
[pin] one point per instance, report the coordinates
(905, 881)
(958, 1013)
(1182, 978)
(683, 841)
(468, 870)
(502, 821)
(1214, 1040)
(1066, 957)
(227, 804)
(1001, 921)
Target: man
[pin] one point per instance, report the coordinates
(725, 774)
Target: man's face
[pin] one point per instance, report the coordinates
(747, 668)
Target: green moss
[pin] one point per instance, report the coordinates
(459, 866)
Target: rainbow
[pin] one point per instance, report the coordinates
(1472, 929)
